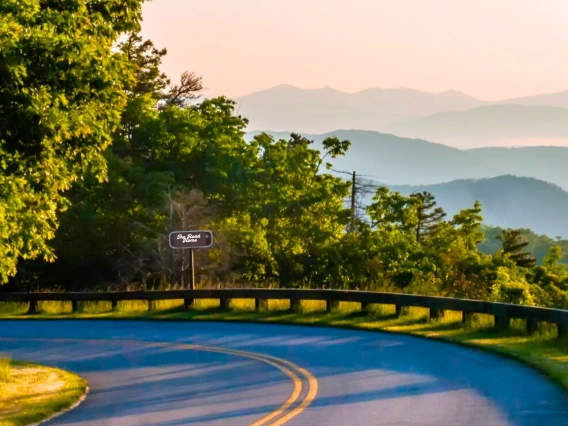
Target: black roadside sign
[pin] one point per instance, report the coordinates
(191, 239)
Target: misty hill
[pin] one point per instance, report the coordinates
(559, 99)
(288, 108)
(403, 161)
(508, 202)
(490, 125)
(450, 117)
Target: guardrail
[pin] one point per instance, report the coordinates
(502, 312)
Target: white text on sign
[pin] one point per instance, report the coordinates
(188, 238)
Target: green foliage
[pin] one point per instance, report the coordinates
(5, 369)
(551, 279)
(468, 222)
(511, 287)
(428, 215)
(61, 92)
(513, 246)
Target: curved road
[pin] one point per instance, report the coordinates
(175, 373)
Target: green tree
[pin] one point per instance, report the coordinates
(538, 245)
(61, 93)
(300, 208)
(391, 210)
(429, 216)
(551, 278)
(122, 215)
(513, 246)
(394, 220)
(469, 225)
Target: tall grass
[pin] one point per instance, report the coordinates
(5, 369)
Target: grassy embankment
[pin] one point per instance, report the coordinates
(31, 393)
(542, 350)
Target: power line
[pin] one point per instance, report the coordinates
(370, 176)
(342, 171)
(368, 185)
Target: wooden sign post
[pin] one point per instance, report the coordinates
(191, 240)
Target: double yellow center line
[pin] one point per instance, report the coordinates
(290, 409)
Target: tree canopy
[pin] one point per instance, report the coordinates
(61, 96)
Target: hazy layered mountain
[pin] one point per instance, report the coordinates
(452, 118)
(508, 201)
(288, 108)
(498, 125)
(559, 99)
(402, 161)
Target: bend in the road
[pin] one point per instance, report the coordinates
(363, 377)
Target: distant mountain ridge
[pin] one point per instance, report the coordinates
(449, 117)
(288, 108)
(558, 99)
(404, 161)
(489, 125)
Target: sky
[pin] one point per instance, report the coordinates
(490, 49)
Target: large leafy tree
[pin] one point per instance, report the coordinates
(61, 93)
(121, 216)
(293, 205)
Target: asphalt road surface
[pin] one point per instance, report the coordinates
(175, 373)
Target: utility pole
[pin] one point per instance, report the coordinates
(353, 204)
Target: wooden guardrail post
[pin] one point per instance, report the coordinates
(562, 331)
(114, 304)
(502, 322)
(188, 303)
(33, 308)
(260, 304)
(295, 305)
(224, 303)
(365, 307)
(401, 310)
(436, 314)
(467, 319)
(331, 305)
(74, 306)
(151, 305)
(532, 326)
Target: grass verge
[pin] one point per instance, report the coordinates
(32, 393)
(542, 350)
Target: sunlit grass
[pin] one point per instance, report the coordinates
(541, 350)
(5, 369)
(32, 393)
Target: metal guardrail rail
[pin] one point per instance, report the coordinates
(502, 312)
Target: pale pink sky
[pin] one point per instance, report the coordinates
(491, 49)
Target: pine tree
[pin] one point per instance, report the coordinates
(513, 245)
(429, 216)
